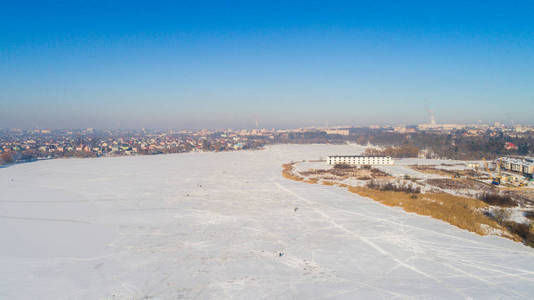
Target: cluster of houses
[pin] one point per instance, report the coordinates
(29, 145)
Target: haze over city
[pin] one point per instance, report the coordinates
(203, 64)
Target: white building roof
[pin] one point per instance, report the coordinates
(359, 156)
(517, 161)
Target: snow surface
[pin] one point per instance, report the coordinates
(454, 167)
(401, 171)
(401, 167)
(213, 226)
(425, 161)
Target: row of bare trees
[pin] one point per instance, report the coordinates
(394, 187)
(394, 151)
(6, 158)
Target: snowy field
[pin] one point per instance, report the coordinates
(213, 226)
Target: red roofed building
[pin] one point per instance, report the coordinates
(510, 146)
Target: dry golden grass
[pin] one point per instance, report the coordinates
(327, 182)
(459, 211)
(311, 180)
(288, 172)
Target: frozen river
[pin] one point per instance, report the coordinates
(229, 226)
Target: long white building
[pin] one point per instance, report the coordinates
(358, 160)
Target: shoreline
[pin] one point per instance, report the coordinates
(459, 211)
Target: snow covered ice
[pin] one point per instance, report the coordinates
(213, 225)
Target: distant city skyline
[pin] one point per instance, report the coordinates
(135, 64)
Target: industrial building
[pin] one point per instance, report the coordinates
(358, 160)
(524, 166)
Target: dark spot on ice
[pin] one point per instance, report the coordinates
(98, 265)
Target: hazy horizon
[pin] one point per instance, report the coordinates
(211, 65)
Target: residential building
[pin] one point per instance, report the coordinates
(521, 165)
(359, 160)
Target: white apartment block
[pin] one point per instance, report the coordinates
(520, 165)
(358, 160)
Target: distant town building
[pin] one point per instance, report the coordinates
(403, 129)
(510, 146)
(473, 165)
(441, 126)
(358, 160)
(338, 131)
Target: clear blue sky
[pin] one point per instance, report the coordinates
(191, 64)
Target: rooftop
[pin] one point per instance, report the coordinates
(359, 156)
(518, 161)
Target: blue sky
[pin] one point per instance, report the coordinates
(203, 64)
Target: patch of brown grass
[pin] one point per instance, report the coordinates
(462, 212)
(529, 215)
(311, 180)
(327, 182)
(287, 172)
(497, 199)
(524, 231)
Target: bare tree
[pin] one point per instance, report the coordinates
(6, 158)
